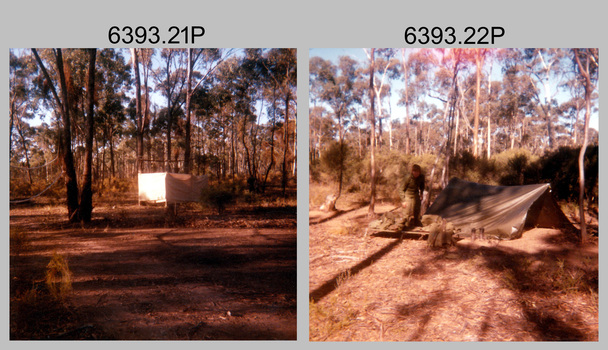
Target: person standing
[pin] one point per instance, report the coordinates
(410, 194)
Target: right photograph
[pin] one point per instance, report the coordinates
(453, 194)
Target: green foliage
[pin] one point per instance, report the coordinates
(394, 167)
(116, 185)
(560, 168)
(568, 279)
(465, 166)
(218, 197)
(334, 157)
(511, 166)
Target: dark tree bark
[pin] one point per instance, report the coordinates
(286, 143)
(188, 112)
(63, 103)
(86, 197)
(372, 118)
(138, 111)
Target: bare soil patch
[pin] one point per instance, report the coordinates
(363, 287)
(138, 273)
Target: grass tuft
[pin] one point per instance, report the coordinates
(58, 277)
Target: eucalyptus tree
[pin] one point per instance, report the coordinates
(417, 69)
(406, 99)
(372, 121)
(545, 70)
(479, 56)
(201, 63)
(322, 131)
(255, 76)
(145, 60)
(170, 81)
(86, 195)
(138, 110)
(318, 116)
(238, 82)
(453, 63)
(515, 106)
(282, 66)
(65, 105)
(23, 104)
(337, 89)
(587, 62)
(387, 67)
(63, 108)
(113, 82)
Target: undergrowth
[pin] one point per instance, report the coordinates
(58, 277)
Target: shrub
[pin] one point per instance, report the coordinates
(564, 182)
(511, 167)
(335, 158)
(218, 197)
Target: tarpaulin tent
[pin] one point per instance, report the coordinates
(502, 211)
(170, 187)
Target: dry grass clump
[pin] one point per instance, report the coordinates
(348, 229)
(58, 277)
(570, 279)
(329, 320)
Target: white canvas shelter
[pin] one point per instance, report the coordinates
(170, 187)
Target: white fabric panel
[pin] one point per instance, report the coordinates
(152, 187)
(169, 187)
(184, 187)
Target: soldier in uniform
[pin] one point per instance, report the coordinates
(410, 194)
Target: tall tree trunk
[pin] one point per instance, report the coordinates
(272, 129)
(489, 137)
(390, 124)
(341, 144)
(169, 128)
(233, 147)
(188, 112)
(286, 140)
(112, 160)
(295, 149)
(479, 63)
(146, 111)
(68, 158)
(586, 74)
(372, 117)
(489, 113)
(456, 132)
(407, 104)
(25, 150)
(138, 111)
(63, 103)
(86, 197)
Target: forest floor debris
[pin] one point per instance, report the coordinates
(540, 287)
(138, 274)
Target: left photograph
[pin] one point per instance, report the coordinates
(153, 194)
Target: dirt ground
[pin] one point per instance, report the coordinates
(366, 287)
(139, 274)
